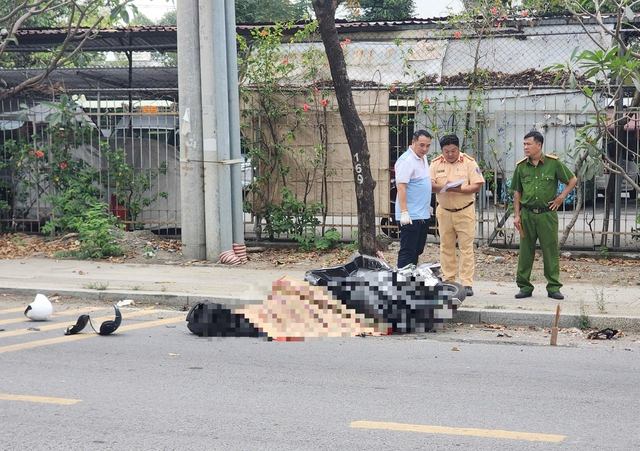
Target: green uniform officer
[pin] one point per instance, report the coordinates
(535, 184)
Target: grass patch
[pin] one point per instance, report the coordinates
(599, 296)
(584, 322)
(100, 286)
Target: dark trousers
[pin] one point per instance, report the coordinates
(412, 240)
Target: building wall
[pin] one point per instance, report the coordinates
(371, 106)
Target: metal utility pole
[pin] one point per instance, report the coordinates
(209, 87)
(234, 124)
(191, 150)
(221, 80)
(210, 154)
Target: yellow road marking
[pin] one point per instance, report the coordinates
(492, 433)
(67, 338)
(12, 310)
(44, 399)
(95, 321)
(54, 315)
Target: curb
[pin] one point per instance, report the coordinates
(512, 318)
(515, 318)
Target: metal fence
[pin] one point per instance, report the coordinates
(147, 136)
(496, 143)
(490, 88)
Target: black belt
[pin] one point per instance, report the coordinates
(454, 210)
(536, 210)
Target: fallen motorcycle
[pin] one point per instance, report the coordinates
(410, 299)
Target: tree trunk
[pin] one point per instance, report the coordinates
(353, 126)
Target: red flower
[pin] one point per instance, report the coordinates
(342, 44)
(315, 89)
(393, 88)
(324, 102)
(427, 100)
(524, 14)
(263, 33)
(63, 165)
(284, 61)
(39, 153)
(347, 41)
(305, 107)
(457, 34)
(494, 10)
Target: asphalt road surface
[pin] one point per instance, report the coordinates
(154, 386)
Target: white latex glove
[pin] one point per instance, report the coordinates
(405, 218)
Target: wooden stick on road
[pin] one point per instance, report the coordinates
(554, 331)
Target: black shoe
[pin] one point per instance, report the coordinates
(555, 295)
(469, 291)
(524, 294)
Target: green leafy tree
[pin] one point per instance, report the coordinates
(543, 7)
(354, 128)
(609, 72)
(169, 19)
(384, 10)
(271, 11)
(140, 20)
(81, 19)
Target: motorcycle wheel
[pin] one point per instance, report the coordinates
(455, 290)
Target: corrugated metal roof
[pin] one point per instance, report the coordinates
(373, 57)
(159, 39)
(112, 82)
(164, 38)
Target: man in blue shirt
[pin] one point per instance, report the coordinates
(413, 182)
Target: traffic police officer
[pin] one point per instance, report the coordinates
(456, 212)
(535, 184)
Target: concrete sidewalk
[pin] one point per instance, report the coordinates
(177, 286)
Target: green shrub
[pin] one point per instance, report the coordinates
(329, 240)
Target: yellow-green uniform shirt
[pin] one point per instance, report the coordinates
(538, 185)
(464, 167)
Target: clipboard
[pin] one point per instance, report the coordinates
(452, 185)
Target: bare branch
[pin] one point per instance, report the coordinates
(75, 39)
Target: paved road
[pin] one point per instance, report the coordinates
(154, 386)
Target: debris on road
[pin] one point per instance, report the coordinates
(106, 328)
(126, 302)
(603, 334)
